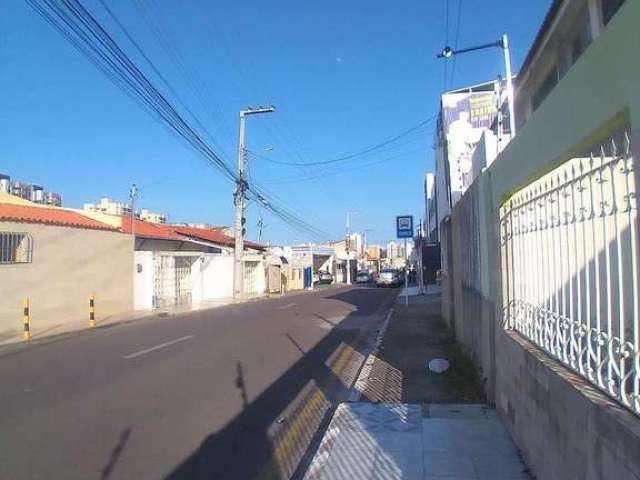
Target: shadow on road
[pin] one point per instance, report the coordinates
(115, 454)
(270, 436)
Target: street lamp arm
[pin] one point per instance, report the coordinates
(449, 52)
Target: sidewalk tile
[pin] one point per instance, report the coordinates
(370, 441)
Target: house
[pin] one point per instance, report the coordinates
(57, 258)
(181, 265)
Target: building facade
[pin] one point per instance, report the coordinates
(430, 227)
(56, 259)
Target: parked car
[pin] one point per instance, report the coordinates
(363, 277)
(388, 278)
(322, 277)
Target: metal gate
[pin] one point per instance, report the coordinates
(172, 280)
(183, 279)
(250, 277)
(275, 279)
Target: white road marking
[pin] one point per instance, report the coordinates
(157, 347)
(288, 305)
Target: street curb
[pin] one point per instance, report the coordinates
(361, 382)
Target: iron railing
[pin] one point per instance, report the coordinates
(570, 267)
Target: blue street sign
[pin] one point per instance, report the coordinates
(404, 226)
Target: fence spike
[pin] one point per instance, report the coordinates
(626, 144)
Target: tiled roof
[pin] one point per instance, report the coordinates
(214, 236)
(49, 216)
(150, 230)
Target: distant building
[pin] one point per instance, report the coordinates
(108, 206)
(152, 217)
(374, 252)
(5, 183)
(28, 191)
(356, 244)
(53, 199)
(393, 250)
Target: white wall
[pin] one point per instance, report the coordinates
(216, 276)
(197, 284)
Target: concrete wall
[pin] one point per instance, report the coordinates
(217, 277)
(565, 427)
(68, 265)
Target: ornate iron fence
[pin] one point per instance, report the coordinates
(570, 267)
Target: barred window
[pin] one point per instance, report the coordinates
(15, 247)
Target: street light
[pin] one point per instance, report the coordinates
(503, 43)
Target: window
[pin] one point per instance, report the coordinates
(15, 247)
(545, 88)
(609, 9)
(581, 36)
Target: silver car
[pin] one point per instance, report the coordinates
(363, 277)
(388, 278)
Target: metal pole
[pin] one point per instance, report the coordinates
(347, 245)
(133, 193)
(420, 243)
(239, 204)
(406, 276)
(510, 94)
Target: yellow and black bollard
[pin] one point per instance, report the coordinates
(26, 319)
(92, 310)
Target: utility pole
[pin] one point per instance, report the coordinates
(347, 246)
(238, 252)
(133, 194)
(420, 246)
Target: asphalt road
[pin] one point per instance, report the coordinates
(235, 392)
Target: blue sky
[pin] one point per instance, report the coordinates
(343, 75)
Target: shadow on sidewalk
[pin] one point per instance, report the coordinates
(400, 373)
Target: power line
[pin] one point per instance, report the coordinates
(357, 154)
(346, 170)
(455, 43)
(76, 24)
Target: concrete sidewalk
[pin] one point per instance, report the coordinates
(411, 423)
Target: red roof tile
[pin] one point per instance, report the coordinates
(49, 216)
(150, 230)
(215, 235)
